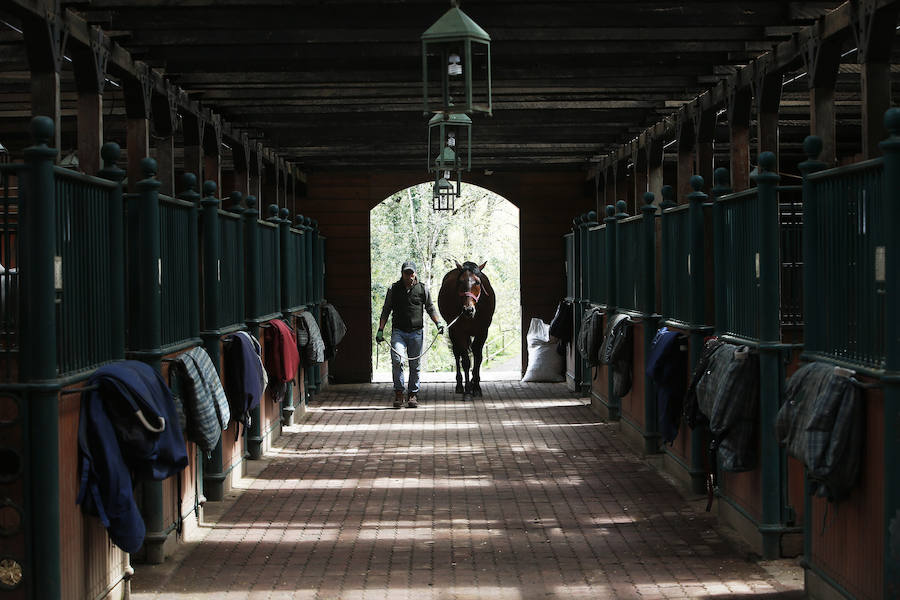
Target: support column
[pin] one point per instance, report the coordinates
(194, 130)
(686, 143)
(610, 183)
(822, 61)
(145, 328)
(210, 240)
(739, 104)
(875, 31)
(256, 173)
(771, 374)
(651, 321)
(45, 43)
(241, 157)
(292, 199)
(721, 179)
(269, 186)
(212, 151)
(38, 318)
(641, 175)
(655, 165)
(704, 133)
(613, 407)
(768, 102)
(165, 155)
(137, 110)
(89, 65)
(279, 189)
(252, 306)
(165, 122)
(891, 149)
(697, 292)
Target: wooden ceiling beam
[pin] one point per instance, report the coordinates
(120, 61)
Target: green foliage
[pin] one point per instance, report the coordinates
(484, 227)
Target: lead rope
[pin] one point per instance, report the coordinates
(433, 340)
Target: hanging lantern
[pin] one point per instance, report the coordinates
(456, 65)
(445, 192)
(446, 161)
(452, 131)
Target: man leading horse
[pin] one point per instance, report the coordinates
(406, 299)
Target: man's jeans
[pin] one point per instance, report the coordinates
(406, 344)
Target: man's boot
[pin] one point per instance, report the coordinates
(412, 401)
(398, 399)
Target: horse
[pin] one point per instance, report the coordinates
(466, 301)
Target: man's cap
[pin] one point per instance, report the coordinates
(408, 266)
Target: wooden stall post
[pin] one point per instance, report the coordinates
(651, 321)
(771, 373)
(697, 328)
(213, 472)
(37, 286)
(613, 405)
(891, 149)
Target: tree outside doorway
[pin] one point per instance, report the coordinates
(483, 227)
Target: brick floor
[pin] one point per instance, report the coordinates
(521, 494)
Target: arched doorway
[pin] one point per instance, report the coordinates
(483, 227)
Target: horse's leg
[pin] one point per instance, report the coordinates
(459, 384)
(477, 354)
(466, 364)
(457, 353)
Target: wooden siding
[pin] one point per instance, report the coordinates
(847, 538)
(90, 563)
(269, 411)
(633, 401)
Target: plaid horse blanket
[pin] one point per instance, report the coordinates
(728, 394)
(200, 391)
(821, 424)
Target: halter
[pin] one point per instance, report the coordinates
(471, 295)
(480, 287)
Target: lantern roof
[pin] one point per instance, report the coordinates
(447, 156)
(455, 25)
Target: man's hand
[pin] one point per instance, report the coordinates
(379, 337)
(440, 328)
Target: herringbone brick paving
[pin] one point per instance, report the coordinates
(520, 494)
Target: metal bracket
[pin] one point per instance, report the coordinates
(259, 159)
(216, 122)
(862, 20)
(100, 50)
(58, 34)
(172, 100)
(245, 144)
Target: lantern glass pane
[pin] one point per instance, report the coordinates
(453, 86)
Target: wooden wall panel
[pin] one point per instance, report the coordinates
(90, 563)
(269, 411)
(745, 489)
(72, 524)
(845, 542)
(633, 401)
(232, 450)
(190, 485)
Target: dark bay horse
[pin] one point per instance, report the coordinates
(467, 298)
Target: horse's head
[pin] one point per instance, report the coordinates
(468, 286)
